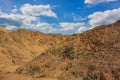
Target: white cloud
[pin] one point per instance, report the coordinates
(44, 27)
(11, 27)
(79, 18)
(38, 10)
(15, 9)
(18, 17)
(97, 1)
(29, 18)
(82, 29)
(106, 17)
(65, 26)
(16, 21)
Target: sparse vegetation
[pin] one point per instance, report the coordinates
(92, 55)
(94, 77)
(68, 53)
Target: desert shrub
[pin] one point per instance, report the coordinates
(68, 53)
(19, 70)
(47, 65)
(94, 77)
(65, 52)
(115, 74)
(77, 74)
(61, 78)
(102, 77)
(69, 66)
(91, 77)
(91, 68)
(32, 70)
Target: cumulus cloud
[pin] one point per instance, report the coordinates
(15, 9)
(82, 29)
(17, 18)
(38, 10)
(106, 17)
(43, 27)
(97, 1)
(65, 26)
(79, 18)
(77, 27)
(17, 21)
(29, 18)
(7, 21)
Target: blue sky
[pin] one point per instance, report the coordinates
(58, 16)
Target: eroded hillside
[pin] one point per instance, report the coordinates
(92, 55)
(21, 46)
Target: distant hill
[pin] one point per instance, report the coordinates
(92, 55)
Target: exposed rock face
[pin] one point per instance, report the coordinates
(95, 55)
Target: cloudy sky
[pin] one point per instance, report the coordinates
(58, 16)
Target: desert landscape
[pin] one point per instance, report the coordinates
(91, 55)
(59, 39)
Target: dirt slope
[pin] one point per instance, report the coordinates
(92, 55)
(21, 46)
